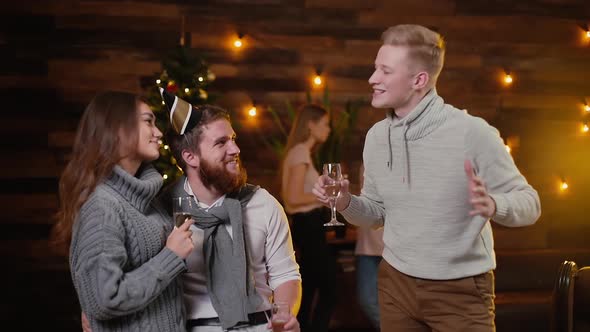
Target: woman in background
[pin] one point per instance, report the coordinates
(124, 254)
(318, 264)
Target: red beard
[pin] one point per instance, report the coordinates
(217, 176)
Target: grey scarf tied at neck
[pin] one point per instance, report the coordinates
(230, 281)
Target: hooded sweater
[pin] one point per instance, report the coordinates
(125, 277)
(416, 187)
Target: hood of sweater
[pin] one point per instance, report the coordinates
(428, 115)
(138, 191)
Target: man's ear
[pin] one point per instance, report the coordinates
(421, 80)
(190, 158)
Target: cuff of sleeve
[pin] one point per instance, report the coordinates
(170, 264)
(284, 270)
(501, 207)
(352, 209)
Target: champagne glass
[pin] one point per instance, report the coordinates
(281, 312)
(333, 173)
(181, 209)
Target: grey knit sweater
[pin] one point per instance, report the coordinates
(416, 186)
(124, 275)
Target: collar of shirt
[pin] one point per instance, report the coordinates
(189, 190)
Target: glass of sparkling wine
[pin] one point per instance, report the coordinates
(333, 174)
(181, 207)
(281, 312)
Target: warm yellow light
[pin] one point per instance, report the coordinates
(186, 90)
(508, 149)
(252, 111)
(317, 80)
(587, 33)
(165, 176)
(163, 103)
(563, 185)
(587, 108)
(158, 81)
(585, 128)
(508, 79)
(201, 79)
(238, 43)
(166, 147)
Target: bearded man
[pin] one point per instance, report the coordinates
(243, 258)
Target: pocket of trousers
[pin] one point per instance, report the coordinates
(484, 285)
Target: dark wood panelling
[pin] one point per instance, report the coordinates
(65, 51)
(55, 55)
(577, 9)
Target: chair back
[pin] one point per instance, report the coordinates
(582, 300)
(563, 298)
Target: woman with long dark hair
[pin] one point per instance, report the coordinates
(123, 251)
(318, 264)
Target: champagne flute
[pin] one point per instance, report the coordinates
(281, 313)
(181, 209)
(333, 173)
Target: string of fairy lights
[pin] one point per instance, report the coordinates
(318, 80)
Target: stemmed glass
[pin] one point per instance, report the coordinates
(333, 173)
(181, 209)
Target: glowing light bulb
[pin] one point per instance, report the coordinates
(165, 176)
(238, 43)
(166, 147)
(186, 90)
(252, 111)
(508, 149)
(587, 108)
(585, 128)
(200, 79)
(317, 80)
(587, 33)
(508, 79)
(158, 81)
(563, 185)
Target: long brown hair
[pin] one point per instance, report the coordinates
(95, 153)
(300, 130)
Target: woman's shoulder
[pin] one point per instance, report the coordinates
(297, 153)
(299, 149)
(101, 201)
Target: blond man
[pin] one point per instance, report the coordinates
(435, 177)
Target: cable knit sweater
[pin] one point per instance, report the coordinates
(124, 275)
(415, 185)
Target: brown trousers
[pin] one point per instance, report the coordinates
(409, 304)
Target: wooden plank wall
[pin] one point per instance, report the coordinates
(56, 54)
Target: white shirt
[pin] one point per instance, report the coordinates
(268, 240)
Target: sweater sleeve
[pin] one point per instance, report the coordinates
(368, 208)
(517, 202)
(107, 287)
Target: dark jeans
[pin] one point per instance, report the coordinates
(318, 268)
(366, 278)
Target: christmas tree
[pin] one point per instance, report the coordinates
(187, 76)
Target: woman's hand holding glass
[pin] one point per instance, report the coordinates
(180, 240)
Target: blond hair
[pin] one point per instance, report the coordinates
(425, 46)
